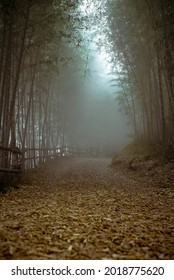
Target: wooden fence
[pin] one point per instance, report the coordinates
(10, 160)
(33, 157)
(10, 165)
(13, 160)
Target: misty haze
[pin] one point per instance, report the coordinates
(86, 130)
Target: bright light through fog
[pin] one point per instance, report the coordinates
(87, 7)
(103, 57)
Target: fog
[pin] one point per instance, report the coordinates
(62, 94)
(93, 117)
(91, 114)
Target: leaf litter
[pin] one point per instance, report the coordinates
(83, 209)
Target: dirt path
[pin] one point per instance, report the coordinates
(83, 209)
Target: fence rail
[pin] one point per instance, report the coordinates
(10, 159)
(15, 160)
(32, 157)
(10, 165)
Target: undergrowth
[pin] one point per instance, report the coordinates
(140, 148)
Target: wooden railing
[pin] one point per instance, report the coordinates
(33, 157)
(14, 160)
(10, 165)
(10, 160)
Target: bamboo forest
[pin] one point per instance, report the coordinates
(86, 130)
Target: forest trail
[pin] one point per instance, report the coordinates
(83, 209)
